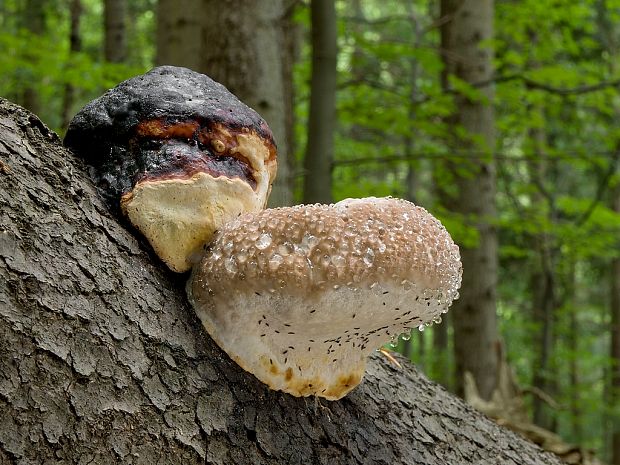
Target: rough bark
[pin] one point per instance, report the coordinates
(322, 117)
(102, 360)
(253, 60)
(115, 30)
(469, 24)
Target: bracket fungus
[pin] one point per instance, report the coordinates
(178, 155)
(300, 296)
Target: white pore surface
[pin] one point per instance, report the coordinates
(315, 345)
(178, 216)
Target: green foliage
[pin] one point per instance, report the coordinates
(45, 64)
(557, 152)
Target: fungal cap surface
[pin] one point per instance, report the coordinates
(169, 93)
(300, 296)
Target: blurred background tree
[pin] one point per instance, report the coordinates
(499, 119)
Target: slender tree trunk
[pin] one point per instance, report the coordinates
(575, 383)
(412, 186)
(409, 141)
(421, 356)
(115, 30)
(284, 186)
(543, 279)
(615, 344)
(179, 33)
(254, 61)
(441, 355)
(75, 45)
(543, 283)
(468, 25)
(609, 36)
(102, 359)
(33, 18)
(322, 118)
(411, 192)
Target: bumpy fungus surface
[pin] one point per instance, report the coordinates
(178, 154)
(300, 296)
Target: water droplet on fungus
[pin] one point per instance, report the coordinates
(263, 241)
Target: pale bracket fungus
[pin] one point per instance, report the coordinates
(300, 296)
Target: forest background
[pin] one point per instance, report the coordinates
(498, 117)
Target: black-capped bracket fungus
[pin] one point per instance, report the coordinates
(300, 296)
(178, 155)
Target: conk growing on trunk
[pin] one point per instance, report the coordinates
(298, 296)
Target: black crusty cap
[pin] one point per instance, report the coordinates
(168, 92)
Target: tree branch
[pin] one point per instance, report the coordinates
(477, 155)
(602, 187)
(528, 82)
(377, 21)
(564, 91)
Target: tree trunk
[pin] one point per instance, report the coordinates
(615, 344)
(179, 33)
(468, 24)
(610, 42)
(247, 45)
(34, 22)
(322, 117)
(103, 360)
(543, 312)
(284, 187)
(574, 369)
(115, 30)
(543, 279)
(254, 61)
(412, 186)
(75, 45)
(441, 356)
